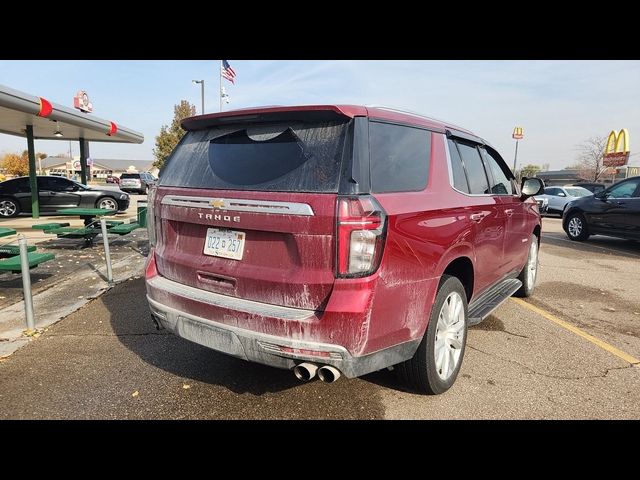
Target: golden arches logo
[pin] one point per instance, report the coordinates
(518, 133)
(617, 142)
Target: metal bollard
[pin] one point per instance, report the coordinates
(26, 284)
(107, 253)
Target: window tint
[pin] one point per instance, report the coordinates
(399, 157)
(280, 157)
(19, 185)
(459, 177)
(475, 170)
(577, 192)
(625, 190)
(551, 191)
(501, 184)
(54, 183)
(130, 175)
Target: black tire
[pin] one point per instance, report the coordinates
(576, 227)
(99, 203)
(420, 372)
(528, 283)
(9, 207)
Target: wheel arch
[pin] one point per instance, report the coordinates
(462, 269)
(537, 231)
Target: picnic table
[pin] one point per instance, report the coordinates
(88, 214)
(90, 230)
(5, 232)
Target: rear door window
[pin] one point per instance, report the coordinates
(19, 185)
(478, 183)
(284, 157)
(457, 169)
(399, 157)
(501, 185)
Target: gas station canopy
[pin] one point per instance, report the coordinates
(52, 121)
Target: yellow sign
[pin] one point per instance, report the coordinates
(518, 133)
(617, 142)
(616, 152)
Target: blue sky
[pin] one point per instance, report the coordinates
(559, 103)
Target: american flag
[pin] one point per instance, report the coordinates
(227, 72)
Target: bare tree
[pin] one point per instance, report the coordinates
(589, 159)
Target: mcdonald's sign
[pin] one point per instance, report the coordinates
(518, 133)
(616, 151)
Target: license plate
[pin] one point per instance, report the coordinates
(224, 243)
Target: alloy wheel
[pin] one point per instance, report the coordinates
(449, 335)
(532, 264)
(575, 227)
(7, 208)
(108, 204)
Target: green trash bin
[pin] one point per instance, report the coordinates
(142, 214)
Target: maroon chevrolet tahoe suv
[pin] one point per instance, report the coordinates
(337, 239)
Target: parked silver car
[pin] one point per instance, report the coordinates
(558, 197)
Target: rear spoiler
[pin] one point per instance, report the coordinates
(315, 113)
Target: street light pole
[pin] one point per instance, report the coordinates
(201, 82)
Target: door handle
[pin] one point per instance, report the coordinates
(476, 217)
(509, 212)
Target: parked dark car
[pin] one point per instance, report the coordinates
(55, 193)
(137, 182)
(614, 211)
(337, 240)
(592, 187)
(112, 179)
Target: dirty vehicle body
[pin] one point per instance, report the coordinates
(326, 239)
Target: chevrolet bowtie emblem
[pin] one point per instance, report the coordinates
(217, 203)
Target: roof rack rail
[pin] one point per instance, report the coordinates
(416, 114)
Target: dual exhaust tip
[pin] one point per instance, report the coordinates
(306, 371)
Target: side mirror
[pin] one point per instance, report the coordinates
(531, 187)
(562, 194)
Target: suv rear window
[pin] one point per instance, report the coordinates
(130, 175)
(399, 157)
(283, 157)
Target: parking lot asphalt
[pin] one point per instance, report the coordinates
(552, 356)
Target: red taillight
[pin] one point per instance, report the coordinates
(151, 218)
(151, 270)
(361, 229)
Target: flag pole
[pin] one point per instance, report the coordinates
(220, 92)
